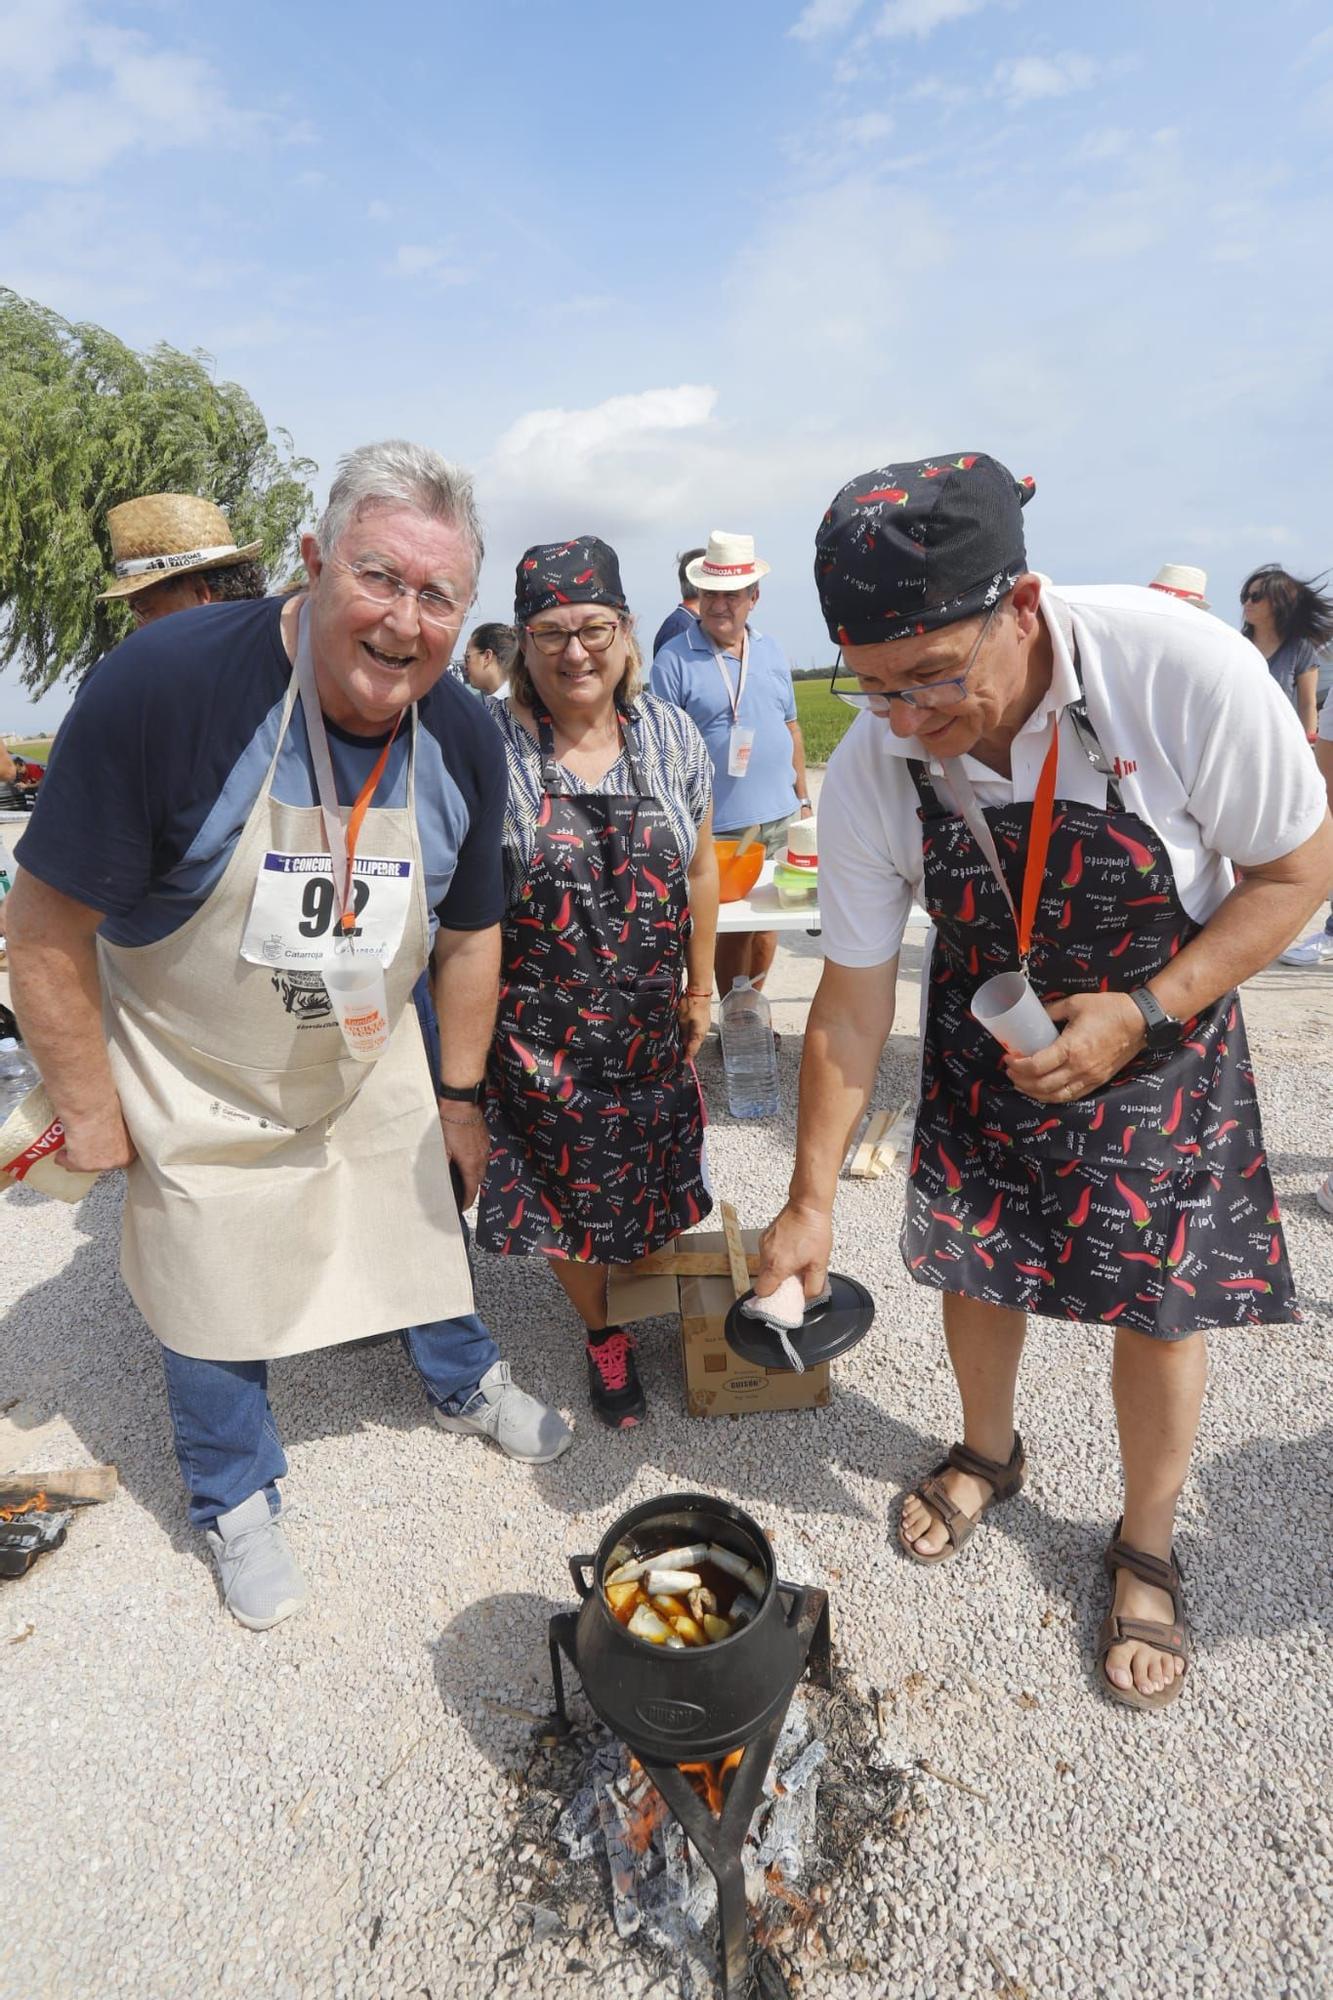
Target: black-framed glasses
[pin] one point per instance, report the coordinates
(1252, 597)
(594, 637)
(381, 586)
(930, 694)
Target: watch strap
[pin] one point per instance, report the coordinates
(466, 1093)
(1163, 1028)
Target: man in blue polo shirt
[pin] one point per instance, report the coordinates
(736, 686)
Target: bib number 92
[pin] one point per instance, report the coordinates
(319, 907)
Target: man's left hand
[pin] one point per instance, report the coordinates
(467, 1141)
(1101, 1033)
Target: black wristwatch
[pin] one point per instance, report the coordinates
(1164, 1030)
(466, 1093)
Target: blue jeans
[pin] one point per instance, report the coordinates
(226, 1439)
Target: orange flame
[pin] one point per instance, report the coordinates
(37, 1505)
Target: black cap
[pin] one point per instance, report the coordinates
(584, 571)
(907, 548)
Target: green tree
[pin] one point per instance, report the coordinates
(86, 422)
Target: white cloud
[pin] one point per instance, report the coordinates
(823, 17)
(632, 458)
(378, 211)
(426, 260)
(75, 95)
(1027, 79)
(863, 131)
(920, 18)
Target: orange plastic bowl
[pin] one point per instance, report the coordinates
(737, 878)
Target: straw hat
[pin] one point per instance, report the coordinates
(169, 534)
(728, 563)
(1183, 580)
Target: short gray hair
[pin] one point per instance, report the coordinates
(398, 474)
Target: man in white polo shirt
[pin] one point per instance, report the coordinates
(1064, 778)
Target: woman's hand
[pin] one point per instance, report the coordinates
(799, 1240)
(1102, 1032)
(695, 1014)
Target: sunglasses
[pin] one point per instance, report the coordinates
(1252, 597)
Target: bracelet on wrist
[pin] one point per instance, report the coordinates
(478, 1120)
(698, 992)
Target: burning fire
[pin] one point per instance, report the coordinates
(650, 1808)
(37, 1505)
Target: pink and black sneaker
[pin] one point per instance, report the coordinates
(613, 1378)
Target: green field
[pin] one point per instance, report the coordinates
(34, 746)
(824, 721)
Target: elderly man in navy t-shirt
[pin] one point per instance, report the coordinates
(260, 823)
(736, 686)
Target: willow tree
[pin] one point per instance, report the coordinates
(86, 422)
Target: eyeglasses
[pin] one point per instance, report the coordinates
(381, 586)
(931, 694)
(594, 637)
(1252, 597)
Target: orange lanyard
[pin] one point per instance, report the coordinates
(347, 920)
(1039, 843)
(1039, 836)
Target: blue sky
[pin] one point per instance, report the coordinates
(653, 270)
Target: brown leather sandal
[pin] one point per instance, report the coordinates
(1116, 1631)
(1003, 1479)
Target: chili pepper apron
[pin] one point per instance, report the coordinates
(1147, 1204)
(286, 1195)
(597, 1125)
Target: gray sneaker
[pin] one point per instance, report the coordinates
(518, 1423)
(261, 1584)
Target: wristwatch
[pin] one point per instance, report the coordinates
(466, 1093)
(804, 803)
(1164, 1030)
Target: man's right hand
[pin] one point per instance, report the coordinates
(97, 1142)
(798, 1240)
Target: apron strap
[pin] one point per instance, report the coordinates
(628, 721)
(1077, 711)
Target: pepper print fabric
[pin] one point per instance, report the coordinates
(596, 1121)
(1147, 1204)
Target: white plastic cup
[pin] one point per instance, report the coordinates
(357, 989)
(1007, 1008)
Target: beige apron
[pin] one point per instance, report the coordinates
(286, 1196)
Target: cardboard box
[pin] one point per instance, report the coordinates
(717, 1382)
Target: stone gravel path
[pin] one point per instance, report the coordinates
(321, 1810)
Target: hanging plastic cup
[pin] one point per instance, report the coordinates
(1007, 1008)
(360, 1002)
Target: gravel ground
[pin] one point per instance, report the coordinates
(321, 1809)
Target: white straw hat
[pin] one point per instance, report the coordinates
(163, 535)
(1183, 580)
(728, 563)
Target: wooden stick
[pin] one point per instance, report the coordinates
(897, 1139)
(863, 1166)
(688, 1264)
(81, 1487)
(740, 1267)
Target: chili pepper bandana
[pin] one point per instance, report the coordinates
(584, 571)
(907, 548)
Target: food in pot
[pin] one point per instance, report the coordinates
(696, 1595)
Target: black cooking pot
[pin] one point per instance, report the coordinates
(674, 1706)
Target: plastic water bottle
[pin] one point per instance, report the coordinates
(748, 1053)
(17, 1076)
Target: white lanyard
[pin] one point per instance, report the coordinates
(737, 694)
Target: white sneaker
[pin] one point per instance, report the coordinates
(261, 1584)
(510, 1417)
(1314, 950)
(1323, 1194)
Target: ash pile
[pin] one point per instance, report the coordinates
(837, 1792)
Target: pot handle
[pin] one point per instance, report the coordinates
(577, 1565)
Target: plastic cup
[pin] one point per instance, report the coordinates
(1007, 1008)
(357, 989)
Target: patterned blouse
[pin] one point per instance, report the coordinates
(673, 761)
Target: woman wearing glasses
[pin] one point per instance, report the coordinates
(1064, 779)
(1288, 620)
(611, 882)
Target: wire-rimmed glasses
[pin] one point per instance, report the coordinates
(381, 586)
(930, 694)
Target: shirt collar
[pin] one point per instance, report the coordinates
(701, 643)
